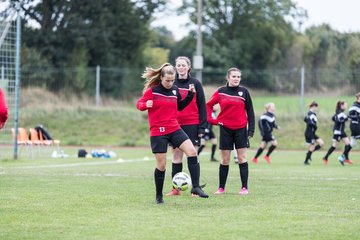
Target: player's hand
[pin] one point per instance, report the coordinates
(250, 134)
(192, 88)
(2, 125)
(149, 103)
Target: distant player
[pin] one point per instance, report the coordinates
(354, 115)
(310, 132)
(266, 125)
(339, 119)
(209, 135)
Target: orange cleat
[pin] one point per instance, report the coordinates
(348, 161)
(325, 161)
(267, 158)
(255, 160)
(174, 192)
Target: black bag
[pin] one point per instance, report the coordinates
(44, 132)
(82, 153)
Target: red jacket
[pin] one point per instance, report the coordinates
(163, 114)
(3, 109)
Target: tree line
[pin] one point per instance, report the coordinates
(255, 35)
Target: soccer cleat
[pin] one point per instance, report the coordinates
(244, 191)
(159, 199)
(213, 160)
(348, 161)
(325, 161)
(236, 160)
(174, 192)
(306, 162)
(219, 191)
(198, 192)
(255, 160)
(341, 159)
(267, 159)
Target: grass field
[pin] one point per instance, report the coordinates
(72, 198)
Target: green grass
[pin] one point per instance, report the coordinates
(73, 198)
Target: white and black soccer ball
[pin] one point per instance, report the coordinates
(181, 181)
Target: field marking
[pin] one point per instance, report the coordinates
(119, 161)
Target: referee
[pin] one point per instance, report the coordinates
(236, 121)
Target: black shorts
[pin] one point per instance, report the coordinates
(229, 138)
(338, 137)
(268, 138)
(355, 131)
(193, 133)
(310, 138)
(209, 135)
(159, 144)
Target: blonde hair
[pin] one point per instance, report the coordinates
(152, 76)
(269, 105)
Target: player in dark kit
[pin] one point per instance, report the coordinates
(310, 136)
(354, 116)
(339, 119)
(192, 118)
(209, 135)
(163, 100)
(266, 125)
(237, 124)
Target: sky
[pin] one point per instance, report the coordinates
(341, 15)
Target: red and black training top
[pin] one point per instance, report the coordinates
(236, 108)
(195, 112)
(166, 104)
(3, 108)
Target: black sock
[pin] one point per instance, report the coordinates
(223, 173)
(159, 177)
(271, 148)
(213, 149)
(331, 149)
(244, 174)
(176, 168)
(346, 151)
(194, 169)
(317, 147)
(200, 149)
(308, 156)
(258, 153)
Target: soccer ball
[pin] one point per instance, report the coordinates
(181, 181)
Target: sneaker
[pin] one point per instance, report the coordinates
(219, 191)
(174, 192)
(348, 161)
(267, 159)
(213, 160)
(341, 159)
(255, 160)
(325, 161)
(159, 200)
(244, 191)
(198, 192)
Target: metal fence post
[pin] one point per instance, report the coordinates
(97, 94)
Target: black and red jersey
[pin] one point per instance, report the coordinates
(195, 112)
(166, 104)
(236, 108)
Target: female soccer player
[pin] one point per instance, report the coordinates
(209, 135)
(236, 121)
(339, 131)
(192, 119)
(310, 137)
(3, 109)
(162, 100)
(266, 125)
(354, 115)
